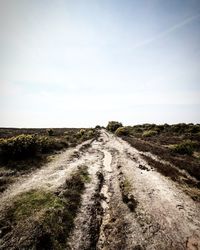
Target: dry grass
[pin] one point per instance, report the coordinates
(23, 150)
(43, 220)
(177, 144)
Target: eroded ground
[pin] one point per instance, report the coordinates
(124, 202)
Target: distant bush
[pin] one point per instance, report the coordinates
(85, 134)
(137, 129)
(184, 148)
(50, 132)
(44, 144)
(113, 126)
(175, 129)
(90, 133)
(24, 146)
(21, 146)
(122, 131)
(159, 128)
(194, 129)
(80, 133)
(149, 133)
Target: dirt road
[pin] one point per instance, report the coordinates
(126, 205)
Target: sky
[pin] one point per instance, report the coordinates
(81, 63)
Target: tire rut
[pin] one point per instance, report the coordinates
(165, 215)
(126, 204)
(51, 176)
(135, 207)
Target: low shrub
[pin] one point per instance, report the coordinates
(160, 128)
(80, 133)
(85, 134)
(122, 131)
(66, 133)
(33, 201)
(50, 132)
(21, 146)
(44, 144)
(25, 146)
(89, 134)
(149, 133)
(194, 129)
(113, 126)
(43, 217)
(184, 148)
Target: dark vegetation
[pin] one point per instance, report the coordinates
(26, 146)
(186, 147)
(190, 186)
(22, 150)
(19, 144)
(178, 144)
(43, 220)
(113, 126)
(121, 131)
(96, 213)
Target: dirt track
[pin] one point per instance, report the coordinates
(126, 205)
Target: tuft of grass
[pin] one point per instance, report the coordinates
(127, 186)
(185, 148)
(32, 202)
(122, 131)
(43, 217)
(127, 196)
(149, 133)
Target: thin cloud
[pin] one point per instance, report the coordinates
(166, 32)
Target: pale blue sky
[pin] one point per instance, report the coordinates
(77, 63)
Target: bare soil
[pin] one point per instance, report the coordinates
(126, 204)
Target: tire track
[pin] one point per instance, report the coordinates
(125, 205)
(51, 176)
(140, 208)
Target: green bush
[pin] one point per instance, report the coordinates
(149, 133)
(66, 133)
(44, 144)
(98, 127)
(179, 128)
(85, 134)
(184, 148)
(24, 146)
(21, 146)
(194, 129)
(159, 128)
(122, 131)
(90, 133)
(113, 126)
(80, 133)
(50, 132)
